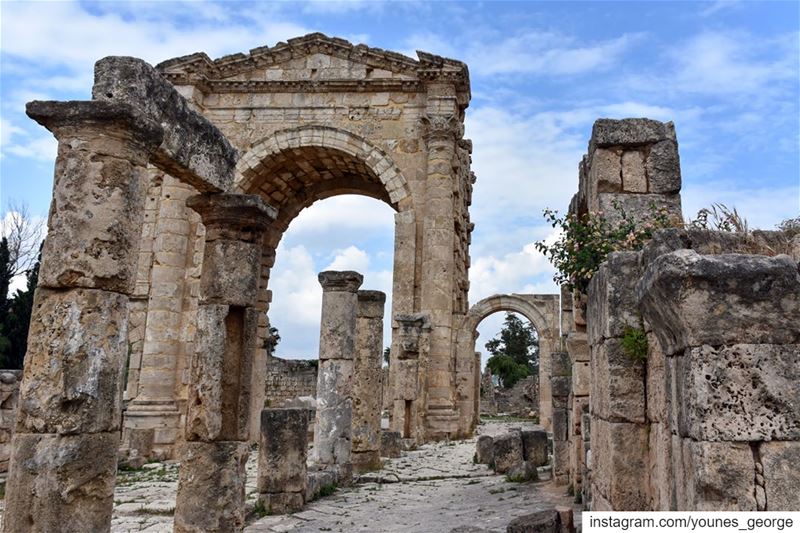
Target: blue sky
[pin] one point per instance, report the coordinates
(726, 73)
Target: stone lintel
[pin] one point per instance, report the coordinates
(340, 281)
(630, 132)
(77, 115)
(193, 149)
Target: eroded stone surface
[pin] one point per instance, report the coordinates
(211, 492)
(780, 475)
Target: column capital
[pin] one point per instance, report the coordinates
(342, 281)
(244, 214)
(442, 127)
(77, 116)
(371, 303)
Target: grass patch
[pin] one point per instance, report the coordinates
(259, 510)
(634, 343)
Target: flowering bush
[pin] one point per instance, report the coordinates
(585, 241)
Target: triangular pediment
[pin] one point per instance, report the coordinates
(314, 58)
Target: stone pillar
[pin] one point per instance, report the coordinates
(410, 364)
(443, 128)
(366, 429)
(282, 454)
(64, 451)
(476, 410)
(212, 475)
(154, 410)
(337, 346)
(560, 382)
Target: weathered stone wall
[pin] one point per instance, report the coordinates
(520, 400)
(9, 395)
(288, 379)
(707, 419)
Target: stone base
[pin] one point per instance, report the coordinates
(366, 461)
(61, 483)
(162, 418)
(282, 502)
(211, 488)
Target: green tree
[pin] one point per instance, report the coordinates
(5, 281)
(387, 352)
(515, 351)
(18, 319)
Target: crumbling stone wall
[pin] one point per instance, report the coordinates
(709, 414)
(520, 400)
(288, 379)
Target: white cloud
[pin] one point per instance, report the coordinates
(762, 207)
(351, 258)
(717, 63)
(7, 131)
(522, 271)
(42, 148)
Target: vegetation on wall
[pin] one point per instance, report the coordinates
(585, 241)
(634, 343)
(515, 351)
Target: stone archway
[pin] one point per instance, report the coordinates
(312, 118)
(542, 312)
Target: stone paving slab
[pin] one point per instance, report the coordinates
(434, 489)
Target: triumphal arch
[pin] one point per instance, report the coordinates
(314, 118)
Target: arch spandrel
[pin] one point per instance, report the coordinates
(524, 304)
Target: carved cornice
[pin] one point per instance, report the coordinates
(198, 69)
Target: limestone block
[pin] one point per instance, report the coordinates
(484, 450)
(658, 398)
(405, 386)
(282, 452)
(781, 475)
(664, 167)
(219, 397)
(743, 392)
(534, 446)
(319, 480)
(638, 206)
(719, 476)
(561, 386)
(580, 405)
(95, 224)
(276, 503)
(566, 299)
(521, 472)
(332, 436)
(539, 522)
(560, 364)
(61, 483)
(605, 174)
(560, 424)
(507, 451)
(612, 299)
(619, 464)
(633, 175)
(367, 379)
(578, 346)
(193, 149)
(230, 272)
(391, 444)
(618, 384)
(581, 379)
(211, 487)
(77, 347)
(721, 299)
(630, 132)
(338, 322)
(660, 461)
(579, 305)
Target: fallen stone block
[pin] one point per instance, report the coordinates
(547, 521)
(484, 450)
(507, 452)
(534, 447)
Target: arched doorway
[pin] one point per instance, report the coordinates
(542, 312)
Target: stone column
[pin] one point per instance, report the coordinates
(366, 436)
(476, 410)
(282, 453)
(212, 476)
(438, 264)
(337, 346)
(154, 411)
(410, 362)
(64, 451)
(561, 383)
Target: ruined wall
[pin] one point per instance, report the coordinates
(288, 379)
(9, 394)
(520, 400)
(709, 413)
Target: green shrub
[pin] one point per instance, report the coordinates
(634, 343)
